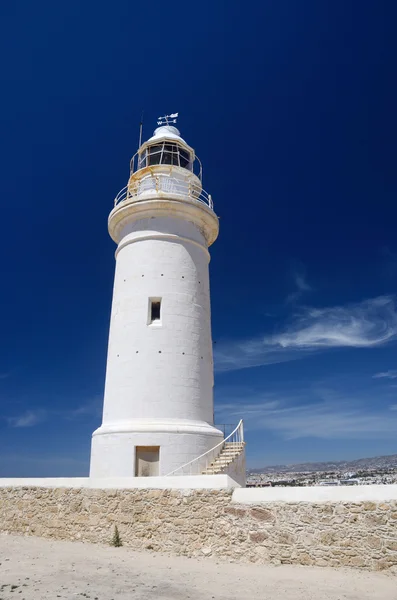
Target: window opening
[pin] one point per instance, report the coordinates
(154, 310)
(166, 154)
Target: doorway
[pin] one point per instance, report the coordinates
(147, 461)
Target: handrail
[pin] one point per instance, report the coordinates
(163, 184)
(239, 434)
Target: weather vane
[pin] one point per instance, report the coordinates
(167, 119)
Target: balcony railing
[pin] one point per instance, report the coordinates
(163, 184)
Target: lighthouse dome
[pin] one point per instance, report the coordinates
(167, 131)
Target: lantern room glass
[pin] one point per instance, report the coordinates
(165, 153)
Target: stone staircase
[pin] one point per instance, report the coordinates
(228, 454)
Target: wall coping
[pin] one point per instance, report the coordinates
(176, 482)
(313, 494)
(340, 493)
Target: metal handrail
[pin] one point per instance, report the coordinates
(237, 436)
(163, 184)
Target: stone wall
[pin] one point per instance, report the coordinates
(207, 523)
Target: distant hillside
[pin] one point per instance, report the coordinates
(342, 465)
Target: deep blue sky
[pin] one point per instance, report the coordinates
(291, 107)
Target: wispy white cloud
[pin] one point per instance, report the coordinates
(329, 422)
(366, 324)
(5, 375)
(312, 413)
(90, 408)
(301, 284)
(28, 419)
(392, 374)
(35, 416)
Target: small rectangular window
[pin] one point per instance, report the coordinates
(154, 310)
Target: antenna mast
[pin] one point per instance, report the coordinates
(140, 130)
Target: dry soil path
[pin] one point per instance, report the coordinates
(34, 568)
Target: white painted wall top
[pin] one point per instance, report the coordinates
(193, 482)
(340, 493)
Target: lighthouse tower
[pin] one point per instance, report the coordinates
(158, 404)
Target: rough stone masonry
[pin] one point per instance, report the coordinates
(206, 523)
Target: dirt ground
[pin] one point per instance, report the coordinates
(35, 568)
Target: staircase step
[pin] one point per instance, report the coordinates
(229, 453)
(212, 472)
(230, 444)
(234, 443)
(228, 456)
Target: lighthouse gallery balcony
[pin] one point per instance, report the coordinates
(163, 184)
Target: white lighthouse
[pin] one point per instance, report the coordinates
(158, 405)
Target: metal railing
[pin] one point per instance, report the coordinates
(226, 428)
(202, 462)
(163, 184)
(138, 162)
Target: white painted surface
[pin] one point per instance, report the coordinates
(187, 482)
(342, 493)
(237, 469)
(167, 132)
(46, 482)
(159, 378)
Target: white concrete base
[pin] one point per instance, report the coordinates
(340, 493)
(213, 482)
(113, 449)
